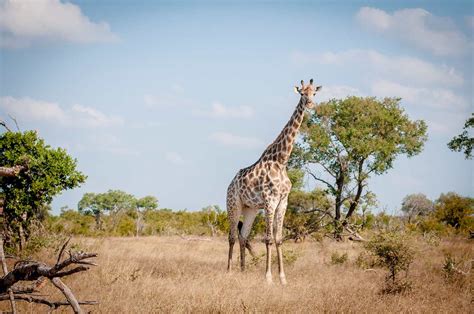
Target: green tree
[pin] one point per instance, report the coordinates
(414, 205)
(455, 210)
(145, 203)
(47, 172)
(346, 141)
(463, 142)
(113, 202)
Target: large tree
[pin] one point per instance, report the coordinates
(112, 202)
(455, 210)
(463, 142)
(141, 204)
(414, 205)
(45, 172)
(346, 141)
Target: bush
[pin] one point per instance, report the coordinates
(394, 253)
(366, 260)
(455, 211)
(338, 259)
(452, 272)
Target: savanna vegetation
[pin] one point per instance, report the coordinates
(155, 259)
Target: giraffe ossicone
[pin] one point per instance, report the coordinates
(265, 185)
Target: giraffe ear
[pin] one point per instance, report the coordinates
(297, 90)
(318, 88)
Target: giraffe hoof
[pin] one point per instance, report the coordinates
(283, 281)
(269, 279)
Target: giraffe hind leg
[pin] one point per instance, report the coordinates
(247, 244)
(249, 215)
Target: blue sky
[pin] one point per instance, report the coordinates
(172, 98)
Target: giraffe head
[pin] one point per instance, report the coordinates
(308, 91)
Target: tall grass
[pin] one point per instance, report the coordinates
(172, 274)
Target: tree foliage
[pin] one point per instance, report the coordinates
(463, 142)
(414, 205)
(455, 210)
(48, 171)
(114, 203)
(346, 141)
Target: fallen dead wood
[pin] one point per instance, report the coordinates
(52, 304)
(38, 271)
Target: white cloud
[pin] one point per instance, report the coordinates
(105, 143)
(174, 158)
(219, 110)
(470, 22)
(172, 99)
(337, 91)
(236, 141)
(23, 22)
(438, 98)
(373, 63)
(417, 27)
(37, 110)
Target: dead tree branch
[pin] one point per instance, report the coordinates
(52, 304)
(38, 272)
(16, 122)
(32, 270)
(2, 123)
(10, 171)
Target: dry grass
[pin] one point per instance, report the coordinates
(170, 274)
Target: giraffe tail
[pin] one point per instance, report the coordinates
(247, 243)
(239, 226)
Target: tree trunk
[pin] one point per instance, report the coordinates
(98, 221)
(337, 216)
(21, 234)
(137, 223)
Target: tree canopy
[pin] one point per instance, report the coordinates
(114, 202)
(416, 205)
(463, 142)
(455, 210)
(46, 172)
(345, 141)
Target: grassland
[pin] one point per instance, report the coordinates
(172, 274)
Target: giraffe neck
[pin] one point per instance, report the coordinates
(280, 149)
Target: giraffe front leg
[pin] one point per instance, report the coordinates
(269, 215)
(280, 215)
(233, 211)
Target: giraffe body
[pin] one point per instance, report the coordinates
(265, 185)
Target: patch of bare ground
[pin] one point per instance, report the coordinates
(172, 274)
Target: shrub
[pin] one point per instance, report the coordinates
(394, 253)
(366, 260)
(451, 270)
(456, 211)
(338, 259)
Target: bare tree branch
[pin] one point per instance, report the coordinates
(10, 171)
(2, 123)
(60, 255)
(5, 271)
(51, 304)
(329, 185)
(68, 294)
(16, 123)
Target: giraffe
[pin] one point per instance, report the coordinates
(265, 185)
